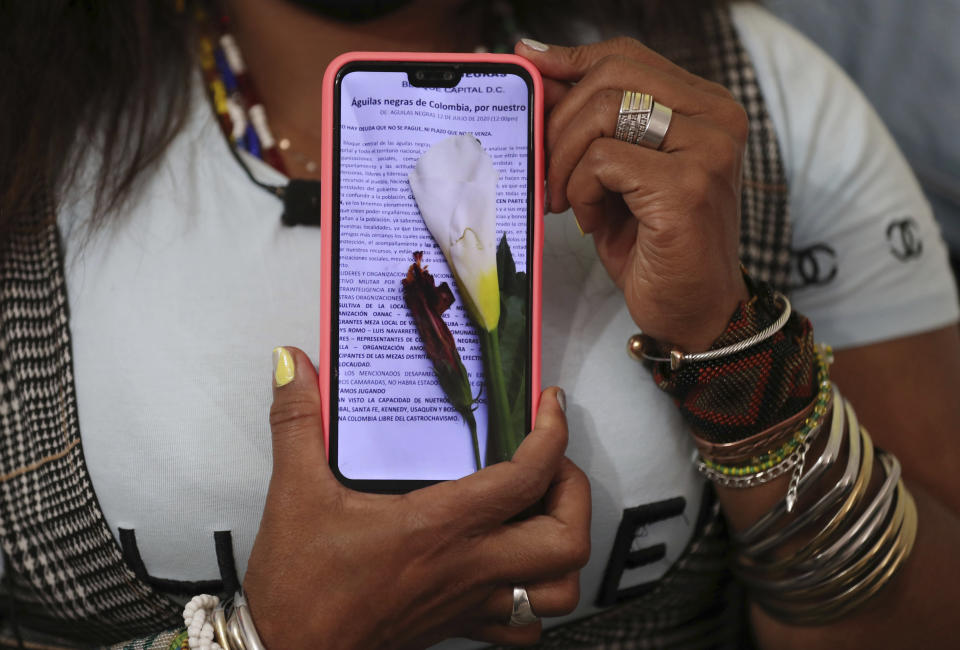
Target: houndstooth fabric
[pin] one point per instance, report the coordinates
(64, 570)
(765, 231)
(63, 567)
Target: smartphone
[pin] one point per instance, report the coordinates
(432, 204)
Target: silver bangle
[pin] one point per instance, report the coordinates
(862, 531)
(829, 456)
(838, 492)
(857, 540)
(241, 614)
(220, 630)
(678, 358)
(235, 634)
(852, 594)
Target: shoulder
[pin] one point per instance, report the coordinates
(868, 261)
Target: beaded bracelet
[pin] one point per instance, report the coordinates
(790, 455)
(740, 452)
(197, 617)
(807, 419)
(732, 398)
(210, 627)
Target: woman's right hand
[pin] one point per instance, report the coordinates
(335, 568)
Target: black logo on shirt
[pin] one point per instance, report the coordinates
(904, 239)
(816, 265)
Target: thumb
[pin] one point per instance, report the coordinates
(296, 417)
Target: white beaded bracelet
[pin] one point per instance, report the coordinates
(198, 617)
(209, 627)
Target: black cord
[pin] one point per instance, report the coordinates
(301, 197)
(277, 190)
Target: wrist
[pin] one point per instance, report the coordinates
(759, 372)
(711, 323)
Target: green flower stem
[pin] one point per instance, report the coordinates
(472, 423)
(501, 439)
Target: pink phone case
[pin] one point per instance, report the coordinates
(329, 78)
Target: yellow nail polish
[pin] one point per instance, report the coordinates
(577, 221)
(283, 368)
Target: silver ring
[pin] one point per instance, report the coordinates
(657, 126)
(635, 109)
(641, 120)
(522, 611)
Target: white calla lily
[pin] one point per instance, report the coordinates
(455, 185)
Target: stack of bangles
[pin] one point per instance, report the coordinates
(212, 625)
(829, 544)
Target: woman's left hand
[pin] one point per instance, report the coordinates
(665, 222)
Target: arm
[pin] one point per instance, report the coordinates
(905, 392)
(910, 407)
(915, 425)
(661, 223)
(335, 568)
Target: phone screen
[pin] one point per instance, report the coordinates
(393, 421)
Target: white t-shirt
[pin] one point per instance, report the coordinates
(176, 306)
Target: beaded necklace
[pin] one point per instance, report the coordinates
(232, 93)
(237, 104)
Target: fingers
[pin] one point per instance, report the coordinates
(611, 166)
(547, 599)
(552, 544)
(649, 180)
(499, 492)
(707, 121)
(553, 92)
(569, 503)
(573, 63)
(543, 546)
(295, 417)
(501, 634)
(548, 545)
(598, 119)
(618, 74)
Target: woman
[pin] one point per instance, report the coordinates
(665, 226)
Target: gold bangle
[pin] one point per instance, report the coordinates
(852, 501)
(826, 460)
(751, 554)
(220, 628)
(822, 612)
(235, 634)
(850, 574)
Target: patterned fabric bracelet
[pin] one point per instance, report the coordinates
(734, 397)
(818, 409)
(779, 463)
